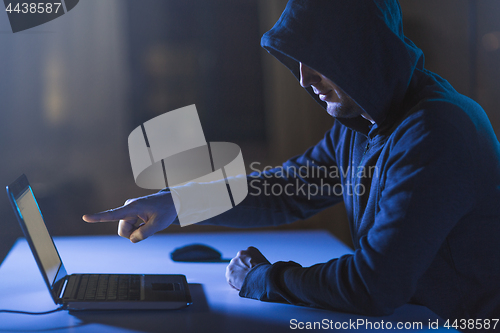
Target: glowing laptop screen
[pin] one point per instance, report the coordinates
(39, 234)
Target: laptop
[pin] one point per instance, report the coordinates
(90, 291)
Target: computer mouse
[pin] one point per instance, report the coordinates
(196, 253)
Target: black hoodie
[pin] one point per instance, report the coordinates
(426, 222)
(427, 229)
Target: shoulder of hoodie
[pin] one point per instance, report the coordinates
(438, 109)
(443, 112)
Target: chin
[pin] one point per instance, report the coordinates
(338, 110)
(333, 110)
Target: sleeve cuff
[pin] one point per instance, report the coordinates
(176, 201)
(265, 283)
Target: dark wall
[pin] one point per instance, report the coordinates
(198, 52)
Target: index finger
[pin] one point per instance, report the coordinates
(120, 213)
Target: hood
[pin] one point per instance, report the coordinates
(358, 44)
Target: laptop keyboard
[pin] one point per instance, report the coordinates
(109, 287)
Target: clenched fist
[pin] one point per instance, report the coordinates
(240, 265)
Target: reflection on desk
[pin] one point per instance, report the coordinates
(216, 306)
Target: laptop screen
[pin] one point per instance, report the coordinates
(47, 253)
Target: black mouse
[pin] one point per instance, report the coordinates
(196, 253)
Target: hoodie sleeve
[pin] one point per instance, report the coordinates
(428, 187)
(298, 189)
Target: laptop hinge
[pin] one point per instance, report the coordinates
(62, 289)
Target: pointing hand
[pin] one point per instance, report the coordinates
(139, 217)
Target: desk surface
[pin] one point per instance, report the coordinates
(216, 306)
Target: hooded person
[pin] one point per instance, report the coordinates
(426, 228)
(425, 223)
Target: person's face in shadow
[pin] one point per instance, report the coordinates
(338, 103)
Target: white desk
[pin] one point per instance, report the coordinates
(216, 306)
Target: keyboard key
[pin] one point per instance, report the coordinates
(101, 287)
(82, 287)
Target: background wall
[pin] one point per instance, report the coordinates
(73, 89)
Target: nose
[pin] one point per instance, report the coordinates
(308, 76)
